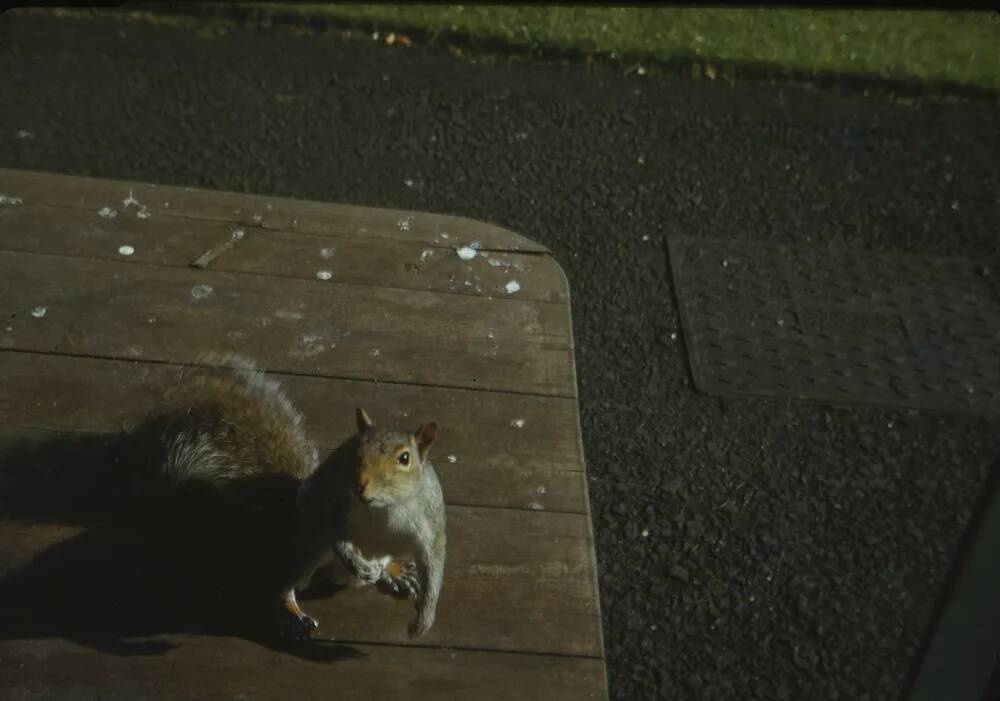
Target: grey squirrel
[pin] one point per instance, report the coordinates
(370, 513)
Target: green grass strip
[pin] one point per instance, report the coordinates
(921, 47)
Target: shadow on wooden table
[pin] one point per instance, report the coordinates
(128, 573)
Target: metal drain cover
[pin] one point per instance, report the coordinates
(839, 325)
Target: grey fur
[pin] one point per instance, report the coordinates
(411, 527)
(228, 421)
(190, 431)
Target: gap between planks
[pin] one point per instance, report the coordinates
(448, 347)
(415, 673)
(291, 373)
(535, 465)
(279, 276)
(20, 429)
(293, 232)
(400, 264)
(83, 192)
(514, 581)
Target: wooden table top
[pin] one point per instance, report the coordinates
(107, 287)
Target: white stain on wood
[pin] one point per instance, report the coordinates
(555, 571)
(202, 291)
(309, 346)
(288, 315)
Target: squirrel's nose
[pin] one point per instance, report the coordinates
(362, 486)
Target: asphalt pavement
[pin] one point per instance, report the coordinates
(748, 548)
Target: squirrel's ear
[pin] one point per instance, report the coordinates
(364, 421)
(424, 436)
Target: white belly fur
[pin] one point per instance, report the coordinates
(384, 532)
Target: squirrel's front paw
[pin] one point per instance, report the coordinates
(401, 580)
(371, 571)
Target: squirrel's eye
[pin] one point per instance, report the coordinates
(404, 458)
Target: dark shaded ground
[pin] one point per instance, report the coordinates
(794, 551)
(148, 571)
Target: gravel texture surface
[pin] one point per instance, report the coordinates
(749, 549)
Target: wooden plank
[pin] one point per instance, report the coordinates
(214, 668)
(174, 241)
(89, 336)
(514, 581)
(256, 210)
(121, 310)
(498, 461)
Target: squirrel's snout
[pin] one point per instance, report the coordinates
(362, 487)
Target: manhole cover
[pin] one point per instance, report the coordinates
(842, 326)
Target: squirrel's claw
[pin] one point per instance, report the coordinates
(421, 625)
(291, 627)
(405, 584)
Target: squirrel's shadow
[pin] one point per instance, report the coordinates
(135, 572)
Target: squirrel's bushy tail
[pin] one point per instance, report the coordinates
(224, 421)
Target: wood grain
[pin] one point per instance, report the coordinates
(258, 211)
(178, 241)
(536, 466)
(121, 310)
(99, 601)
(514, 580)
(231, 668)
